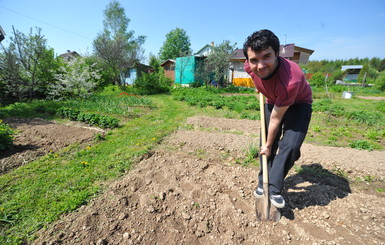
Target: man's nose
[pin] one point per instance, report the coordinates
(261, 65)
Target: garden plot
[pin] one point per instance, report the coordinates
(191, 191)
(37, 137)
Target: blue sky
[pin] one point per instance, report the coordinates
(334, 29)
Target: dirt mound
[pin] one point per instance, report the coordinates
(191, 192)
(37, 137)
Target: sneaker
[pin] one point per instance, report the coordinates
(277, 201)
(258, 192)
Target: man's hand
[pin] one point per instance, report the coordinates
(265, 151)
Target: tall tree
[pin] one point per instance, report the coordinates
(177, 44)
(27, 65)
(218, 61)
(115, 45)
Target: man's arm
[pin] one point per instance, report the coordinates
(275, 122)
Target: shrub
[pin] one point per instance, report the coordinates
(89, 118)
(317, 80)
(380, 82)
(152, 83)
(6, 136)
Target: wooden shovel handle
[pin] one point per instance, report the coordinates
(263, 138)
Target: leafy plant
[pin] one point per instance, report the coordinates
(361, 144)
(6, 136)
(89, 118)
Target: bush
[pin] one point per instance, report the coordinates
(380, 82)
(317, 80)
(6, 136)
(89, 118)
(152, 83)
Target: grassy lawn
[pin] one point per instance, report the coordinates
(38, 193)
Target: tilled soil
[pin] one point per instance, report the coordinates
(37, 137)
(191, 191)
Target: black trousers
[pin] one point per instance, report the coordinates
(286, 147)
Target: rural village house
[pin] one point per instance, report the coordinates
(70, 55)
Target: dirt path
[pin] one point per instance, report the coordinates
(190, 191)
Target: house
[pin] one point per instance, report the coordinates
(169, 68)
(205, 51)
(297, 54)
(70, 55)
(130, 74)
(351, 72)
(240, 78)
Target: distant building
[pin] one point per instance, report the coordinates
(70, 55)
(352, 72)
(297, 54)
(169, 68)
(205, 51)
(130, 74)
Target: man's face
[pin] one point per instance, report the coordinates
(262, 63)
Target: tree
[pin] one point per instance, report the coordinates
(117, 47)
(76, 79)
(218, 61)
(154, 62)
(27, 65)
(177, 44)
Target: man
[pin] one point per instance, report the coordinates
(288, 108)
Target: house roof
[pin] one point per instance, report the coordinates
(168, 61)
(69, 55)
(201, 51)
(351, 67)
(238, 55)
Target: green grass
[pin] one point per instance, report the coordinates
(38, 193)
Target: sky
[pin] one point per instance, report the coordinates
(334, 29)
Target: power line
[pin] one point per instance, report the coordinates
(45, 23)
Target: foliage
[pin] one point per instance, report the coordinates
(117, 47)
(6, 136)
(217, 61)
(203, 97)
(89, 118)
(380, 82)
(152, 83)
(75, 80)
(361, 144)
(177, 44)
(154, 62)
(317, 80)
(27, 66)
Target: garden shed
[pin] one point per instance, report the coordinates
(130, 74)
(185, 69)
(169, 68)
(352, 72)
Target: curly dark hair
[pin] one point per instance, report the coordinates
(261, 40)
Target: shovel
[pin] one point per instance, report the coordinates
(264, 210)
